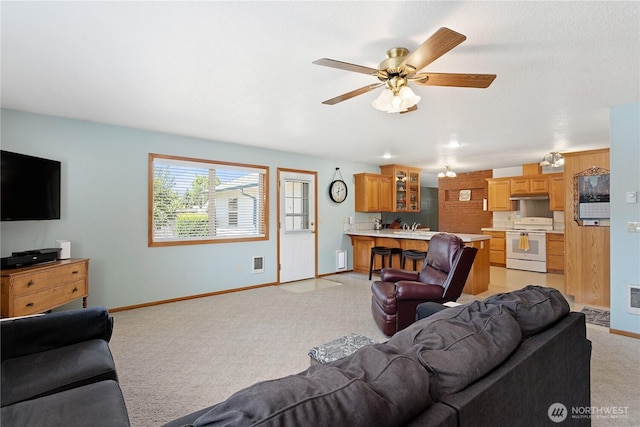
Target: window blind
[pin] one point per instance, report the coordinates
(204, 201)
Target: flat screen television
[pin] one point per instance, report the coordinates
(30, 187)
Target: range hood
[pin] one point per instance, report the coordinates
(529, 197)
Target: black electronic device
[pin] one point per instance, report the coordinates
(30, 187)
(30, 257)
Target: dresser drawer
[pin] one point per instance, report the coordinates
(36, 282)
(39, 302)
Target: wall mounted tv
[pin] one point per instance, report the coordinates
(30, 187)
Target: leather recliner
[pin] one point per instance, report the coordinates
(441, 279)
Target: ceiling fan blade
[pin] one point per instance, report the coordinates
(352, 94)
(410, 109)
(441, 42)
(480, 81)
(345, 66)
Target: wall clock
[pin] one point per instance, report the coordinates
(338, 188)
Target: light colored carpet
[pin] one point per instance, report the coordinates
(308, 285)
(176, 358)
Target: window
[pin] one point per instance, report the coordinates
(296, 205)
(193, 201)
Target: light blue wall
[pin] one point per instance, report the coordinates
(625, 246)
(104, 210)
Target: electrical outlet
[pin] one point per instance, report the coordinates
(633, 227)
(631, 197)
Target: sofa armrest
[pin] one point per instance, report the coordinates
(550, 367)
(396, 274)
(28, 335)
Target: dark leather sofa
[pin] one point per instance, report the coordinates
(57, 370)
(514, 359)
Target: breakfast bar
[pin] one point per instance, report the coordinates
(364, 240)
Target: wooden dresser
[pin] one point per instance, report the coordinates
(39, 288)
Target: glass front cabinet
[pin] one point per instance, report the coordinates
(405, 188)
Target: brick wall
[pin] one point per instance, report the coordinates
(463, 216)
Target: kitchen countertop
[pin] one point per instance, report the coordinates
(414, 235)
(513, 229)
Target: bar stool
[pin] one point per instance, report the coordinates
(415, 256)
(384, 252)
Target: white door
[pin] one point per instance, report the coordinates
(297, 225)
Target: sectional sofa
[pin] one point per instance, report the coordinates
(514, 359)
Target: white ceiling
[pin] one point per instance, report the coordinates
(242, 72)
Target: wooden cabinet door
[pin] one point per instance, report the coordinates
(367, 192)
(362, 253)
(373, 193)
(519, 186)
(497, 248)
(539, 184)
(499, 191)
(372, 190)
(556, 193)
(555, 253)
(385, 194)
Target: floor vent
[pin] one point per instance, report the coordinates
(341, 260)
(258, 264)
(634, 299)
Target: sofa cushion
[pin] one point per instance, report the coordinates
(97, 405)
(373, 386)
(48, 372)
(534, 307)
(459, 345)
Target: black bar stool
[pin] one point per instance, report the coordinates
(384, 252)
(415, 256)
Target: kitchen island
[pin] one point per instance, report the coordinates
(364, 240)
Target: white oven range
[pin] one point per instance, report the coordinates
(526, 244)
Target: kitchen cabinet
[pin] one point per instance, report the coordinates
(405, 188)
(41, 287)
(530, 185)
(498, 193)
(373, 192)
(362, 252)
(555, 253)
(497, 248)
(556, 192)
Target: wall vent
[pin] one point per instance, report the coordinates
(341, 260)
(634, 299)
(258, 264)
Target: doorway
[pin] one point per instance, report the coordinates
(297, 218)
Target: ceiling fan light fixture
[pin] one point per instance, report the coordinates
(552, 159)
(446, 172)
(407, 97)
(391, 102)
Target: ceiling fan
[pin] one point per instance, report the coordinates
(402, 67)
